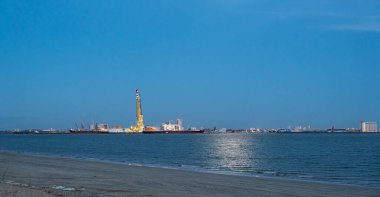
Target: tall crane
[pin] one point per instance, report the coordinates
(139, 127)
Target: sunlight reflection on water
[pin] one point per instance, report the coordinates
(339, 158)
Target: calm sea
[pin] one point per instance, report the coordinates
(346, 158)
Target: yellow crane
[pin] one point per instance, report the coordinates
(139, 127)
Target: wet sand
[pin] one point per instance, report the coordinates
(24, 175)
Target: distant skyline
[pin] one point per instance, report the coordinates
(223, 63)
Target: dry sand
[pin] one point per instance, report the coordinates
(23, 175)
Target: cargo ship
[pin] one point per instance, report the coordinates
(152, 130)
(174, 132)
(95, 128)
(72, 131)
(171, 128)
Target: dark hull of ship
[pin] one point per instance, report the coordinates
(174, 132)
(86, 132)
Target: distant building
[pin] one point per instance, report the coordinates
(179, 124)
(168, 126)
(116, 129)
(368, 126)
(222, 130)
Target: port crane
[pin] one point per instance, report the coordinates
(139, 127)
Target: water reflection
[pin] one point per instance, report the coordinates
(232, 152)
(321, 157)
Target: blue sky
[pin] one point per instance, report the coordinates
(224, 63)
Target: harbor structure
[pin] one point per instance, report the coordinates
(116, 129)
(98, 127)
(368, 126)
(169, 126)
(139, 127)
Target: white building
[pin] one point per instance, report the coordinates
(168, 126)
(368, 126)
(116, 129)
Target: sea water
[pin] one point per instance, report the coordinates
(344, 158)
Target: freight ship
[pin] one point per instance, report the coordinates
(171, 128)
(95, 128)
(72, 131)
(174, 132)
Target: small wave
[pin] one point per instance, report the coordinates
(58, 187)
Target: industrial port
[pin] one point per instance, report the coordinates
(178, 128)
(139, 127)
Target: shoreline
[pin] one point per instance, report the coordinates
(180, 168)
(77, 177)
(5, 132)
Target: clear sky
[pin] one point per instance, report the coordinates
(223, 63)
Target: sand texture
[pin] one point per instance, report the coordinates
(23, 175)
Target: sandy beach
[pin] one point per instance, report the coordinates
(24, 175)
